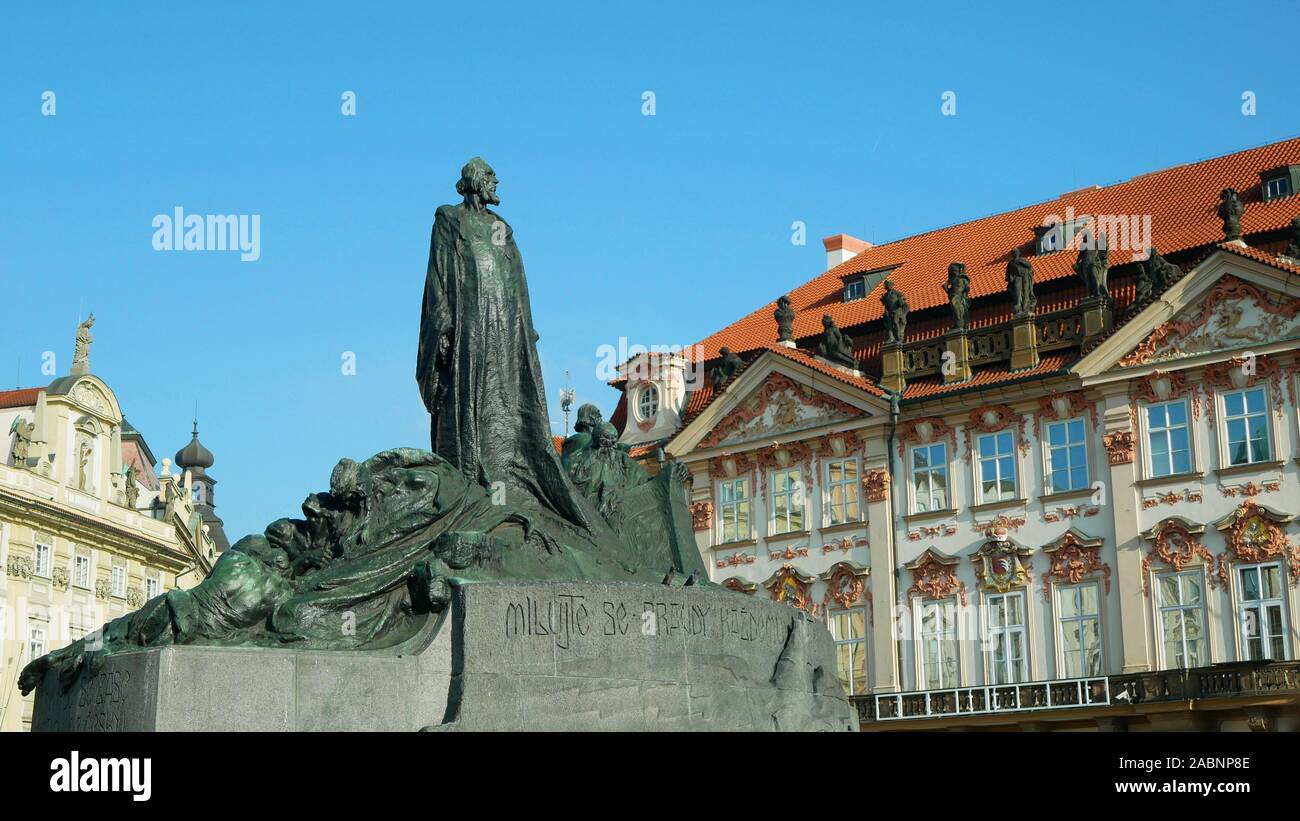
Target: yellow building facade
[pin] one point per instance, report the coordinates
(88, 532)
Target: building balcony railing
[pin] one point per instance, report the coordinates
(1057, 694)
(1227, 680)
(1243, 678)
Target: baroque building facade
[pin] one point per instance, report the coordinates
(88, 530)
(1057, 490)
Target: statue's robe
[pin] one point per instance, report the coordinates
(485, 394)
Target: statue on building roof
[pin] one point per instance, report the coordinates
(896, 308)
(835, 346)
(1155, 274)
(1230, 209)
(1092, 267)
(23, 432)
(1020, 284)
(129, 486)
(81, 351)
(784, 315)
(1293, 246)
(958, 289)
(725, 369)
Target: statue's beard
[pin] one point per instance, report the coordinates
(484, 198)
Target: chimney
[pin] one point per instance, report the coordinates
(841, 248)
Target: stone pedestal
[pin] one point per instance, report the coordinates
(504, 656)
(892, 367)
(847, 371)
(1024, 343)
(956, 364)
(1097, 319)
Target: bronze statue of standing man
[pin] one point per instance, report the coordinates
(477, 366)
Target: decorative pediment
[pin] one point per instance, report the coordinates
(845, 584)
(1175, 543)
(1057, 407)
(1073, 558)
(780, 405)
(923, 431)
(934, 576)
(1253, 533)
(1234, 314)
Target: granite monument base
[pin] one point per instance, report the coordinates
(503, 656)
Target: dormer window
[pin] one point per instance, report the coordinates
(857, 286)
(1279, 183)
(1058, 235)
(647, 402)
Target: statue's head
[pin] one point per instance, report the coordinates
(889, 285)
(478, 184)
(828, 321)
(1015, 253)
(606, 436)
(783, 302)
(588, 418)
(724, 351)
(345, 483)
(956, 269)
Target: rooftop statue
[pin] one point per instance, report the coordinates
(1293, 245)
(726, 367)
(958, 289)
(1092, 267)
(23, 432)
(380, 550)
(784, 315)
(1155, 274)
(81, 351)
(834, 345)
(1020, 284)
(896, 308)
(1230, 209)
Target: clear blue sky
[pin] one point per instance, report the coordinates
(660, 229)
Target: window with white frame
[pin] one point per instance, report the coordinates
(1181, 604)
(1007, 641)
(1261, 613)
(1078, 618)
(997, 466)
(939, 666)
(1169, 439)
(152, 587)
(848, 629)
(930, 477)
(647, 402)
(1067, 456)
(81, 568)
(37, 645)
(1246, 427)
(841, 491)
(733, 510)
(787, 501)
(43, 555)
(119, 580)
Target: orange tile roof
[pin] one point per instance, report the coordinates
(20, 398)
(928, 386)
(1182, 202)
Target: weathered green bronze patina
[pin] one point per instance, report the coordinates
(375, 557)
